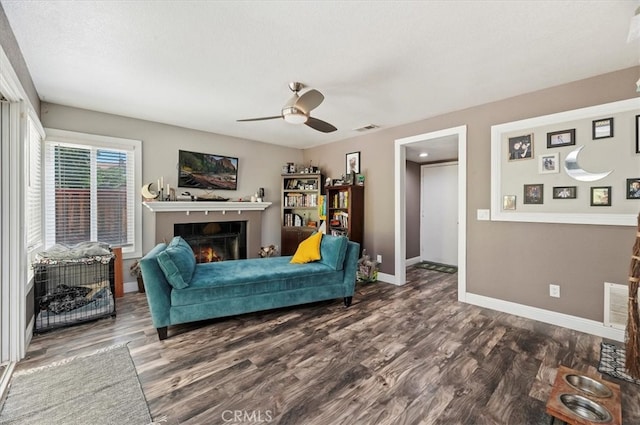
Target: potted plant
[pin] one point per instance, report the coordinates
(134, 269)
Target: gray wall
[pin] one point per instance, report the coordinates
(509, 261)
(413, 193)
(11, 49)
(259, 164)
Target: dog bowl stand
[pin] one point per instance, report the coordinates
(559, 411)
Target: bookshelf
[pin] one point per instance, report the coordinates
(345, 211)
(299, 209)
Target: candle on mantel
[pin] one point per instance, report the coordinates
(168, 190)
(161, 182)
(159, 187)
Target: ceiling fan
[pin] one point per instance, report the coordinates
(297, 109)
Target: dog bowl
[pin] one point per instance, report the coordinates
(588, 385)
(585, 408)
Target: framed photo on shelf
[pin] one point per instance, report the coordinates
(601, 196)
(633, 188)
(637, 133)
(353, 162)
(549, 163)
(565, 192)
(602, 128)
(533, 194)
(509, 202)
(555, 139)
(521, 147)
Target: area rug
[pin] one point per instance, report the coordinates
(612, 358)
(444, 268)
(101, 388)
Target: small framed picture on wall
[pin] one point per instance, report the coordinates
(533, 194)
(637, 133)
(556, 139)
(602, 128)
(353, 163)
(601, 196)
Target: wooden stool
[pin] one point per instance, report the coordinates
(563, 389)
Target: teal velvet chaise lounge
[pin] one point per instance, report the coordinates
(180, 291)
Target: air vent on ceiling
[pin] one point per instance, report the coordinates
(615, 305)
(367, 127)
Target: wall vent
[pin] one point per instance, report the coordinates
(615, 305)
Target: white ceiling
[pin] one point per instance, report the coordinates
(203, 65)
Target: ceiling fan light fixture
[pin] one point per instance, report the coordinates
(294, 115)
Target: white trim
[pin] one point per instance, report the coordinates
(130, 286)
(5, 378)
(554, 318)
(497, 214)
(387, 278)
(188, 206)
(400, 261)
(412, 261)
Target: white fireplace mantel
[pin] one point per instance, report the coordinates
(206, 206)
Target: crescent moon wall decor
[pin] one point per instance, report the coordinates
(146, 192)
(574, 171)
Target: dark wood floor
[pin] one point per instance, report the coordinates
(398, 355)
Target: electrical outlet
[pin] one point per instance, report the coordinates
(554, 291)
(379, 259)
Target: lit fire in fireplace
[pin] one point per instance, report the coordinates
(207, 254)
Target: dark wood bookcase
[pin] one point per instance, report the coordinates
(345, 211)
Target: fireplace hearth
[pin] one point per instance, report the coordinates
(215, 241)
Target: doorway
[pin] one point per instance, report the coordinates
(400, 158)
(439, 213)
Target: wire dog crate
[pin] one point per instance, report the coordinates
(72, 291)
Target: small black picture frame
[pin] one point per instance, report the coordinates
(637, 133)
(601, 196)
(533, 194)
(602, 129)
(556, 139)
(633, 188)
(520, 147)
(565, 192)
(352, 163)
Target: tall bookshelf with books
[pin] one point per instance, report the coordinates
(345, 211)
(299, 209)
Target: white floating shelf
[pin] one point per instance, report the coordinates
(189, 206)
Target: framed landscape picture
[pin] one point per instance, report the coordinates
(565, 192)
(556, 139)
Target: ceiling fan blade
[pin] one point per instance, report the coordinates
(309, 100)
(260, 119)
(320, 125)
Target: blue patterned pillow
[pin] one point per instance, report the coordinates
(333, 250)
(177, 262)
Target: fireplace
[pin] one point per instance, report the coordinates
(215, 241)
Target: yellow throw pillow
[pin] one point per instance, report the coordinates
(308, 250)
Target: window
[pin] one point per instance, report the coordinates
(90, 190)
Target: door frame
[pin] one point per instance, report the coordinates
(400, 225)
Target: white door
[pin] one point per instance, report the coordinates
(439, 213)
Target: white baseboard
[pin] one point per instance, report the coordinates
(29, 332)
(412, 261)
(387, 278)
(5, 378)
(554, 318)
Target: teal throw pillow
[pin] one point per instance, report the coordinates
(177, 262)
(333, 250)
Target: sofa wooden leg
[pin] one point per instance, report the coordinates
(347, 301)
(162, 333)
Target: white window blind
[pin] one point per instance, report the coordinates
(34, 188)
(90, 191)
